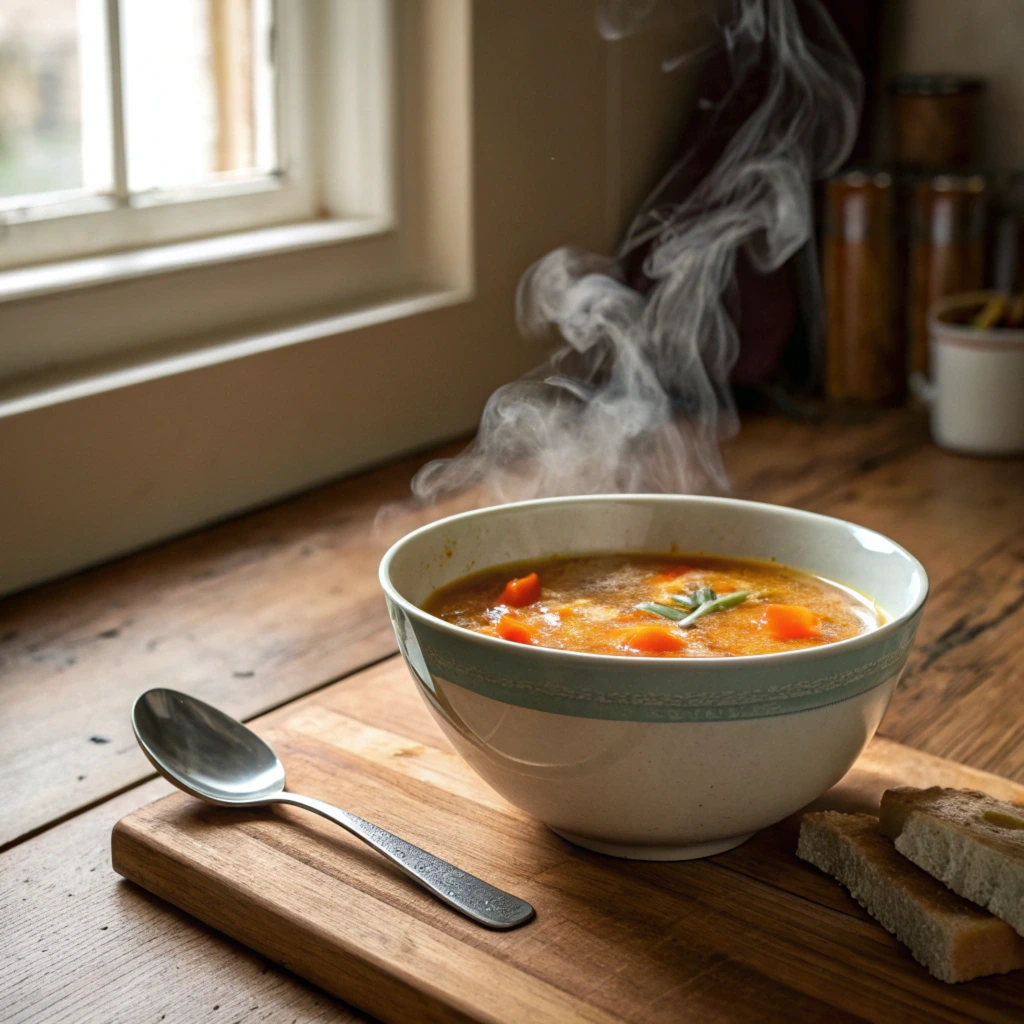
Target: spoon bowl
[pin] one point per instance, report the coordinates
(204, 751)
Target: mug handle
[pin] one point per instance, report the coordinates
(922, 388)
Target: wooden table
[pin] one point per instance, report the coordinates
(254, 613)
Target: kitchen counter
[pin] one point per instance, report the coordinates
(254, 613)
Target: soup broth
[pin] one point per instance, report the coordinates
(650, 605)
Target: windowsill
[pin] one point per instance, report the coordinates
(49, 278)
(42, 390)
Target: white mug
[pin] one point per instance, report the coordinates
(976, 390)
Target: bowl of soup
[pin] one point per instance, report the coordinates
(654, 676)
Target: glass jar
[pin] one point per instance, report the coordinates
(865, 360)
(935, 120)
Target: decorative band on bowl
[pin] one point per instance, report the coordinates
(550, 691)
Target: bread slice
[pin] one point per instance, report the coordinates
(954, 939)
(971, 841)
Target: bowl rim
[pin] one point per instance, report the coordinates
(697, 664)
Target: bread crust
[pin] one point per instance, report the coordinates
(970, 841)
(955, 939)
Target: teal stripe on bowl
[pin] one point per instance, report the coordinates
(678, 693)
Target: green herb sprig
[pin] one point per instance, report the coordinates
(699, 603)
(696, 599)
(714, 603)
(661, 609)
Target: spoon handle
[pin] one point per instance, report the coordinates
(477, 899)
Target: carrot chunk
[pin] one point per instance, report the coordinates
(521, 592)
(653, 639)
(513, 629)
(673, 572)
(791, 622)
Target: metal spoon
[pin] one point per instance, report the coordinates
(214, 757)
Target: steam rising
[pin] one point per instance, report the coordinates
(637, 397)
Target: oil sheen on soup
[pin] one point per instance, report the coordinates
(650, 605)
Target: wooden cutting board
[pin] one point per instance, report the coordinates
(751, 935)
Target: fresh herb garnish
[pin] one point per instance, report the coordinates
(716, 604)
(660, 609)
(699, 603)
(696, 599)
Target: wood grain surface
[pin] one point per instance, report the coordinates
(290, 595)
(246, 615)
(78, 944)
(269, 606)
(751, 935)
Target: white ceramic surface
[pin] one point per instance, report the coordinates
(976, 391)
(654, 758)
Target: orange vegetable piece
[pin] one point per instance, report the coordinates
(521, 592)
(791, 622)
(652, 639)
(510, 628)
(673, 572)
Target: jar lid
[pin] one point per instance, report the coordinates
(860, 176)
(942, 179)
(934, 85)
(958, 183)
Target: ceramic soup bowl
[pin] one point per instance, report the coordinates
(654, 758)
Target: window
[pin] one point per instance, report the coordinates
(261, 158)
(127, 123)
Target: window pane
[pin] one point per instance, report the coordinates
(40, 97)
(198, 95)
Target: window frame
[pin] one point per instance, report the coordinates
(313, 182)
(360, 238)
(80, 223)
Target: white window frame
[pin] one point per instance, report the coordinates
(337, 194)
(310, 182)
